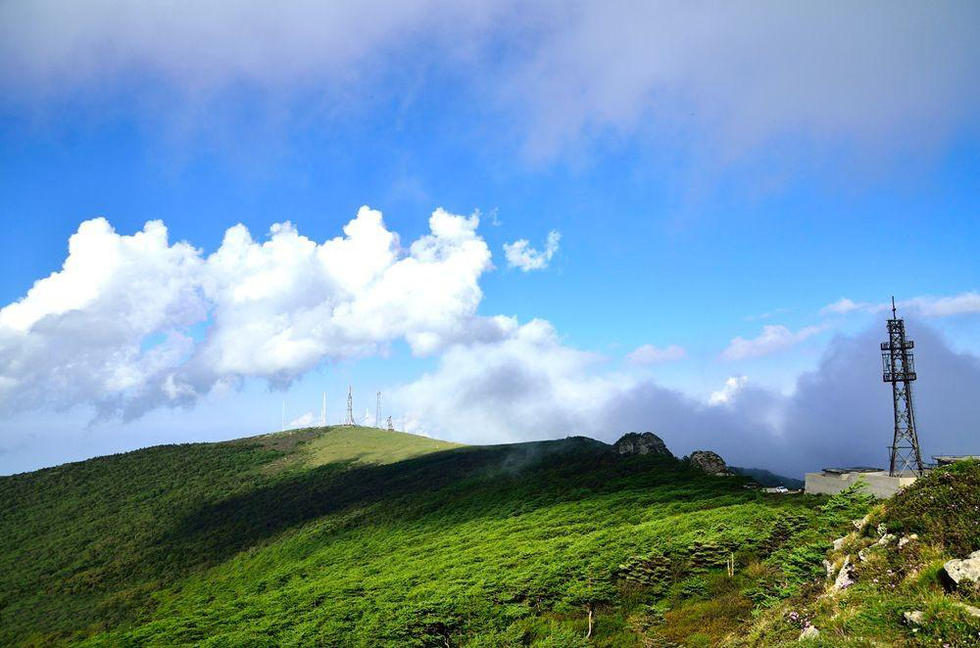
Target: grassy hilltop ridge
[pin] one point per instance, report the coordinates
(363, 537)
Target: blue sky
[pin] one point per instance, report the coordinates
(767, 165)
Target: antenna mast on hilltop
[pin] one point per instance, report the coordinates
(377, 413)
(283, 428)
(350, 407)
(898, 368)
(323, 411)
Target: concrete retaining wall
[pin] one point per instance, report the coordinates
(879, 484)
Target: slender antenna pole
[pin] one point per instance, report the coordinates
(350, 406)
(894, 315)
(283, 429)
(377, 413)
(323, 411)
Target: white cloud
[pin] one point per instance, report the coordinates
(111, 320)
(737, 75)
(302, 421)
(727, 393)
(521, 255)
(774, 337)
(530, 386)
(742, 74)
(924, 306)
(525, 386)
(200, 47)
(114, 326)
(843, 306)
(649, 354)
(962, 304)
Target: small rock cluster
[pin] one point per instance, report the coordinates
(842, 574)
(961, 574)
(648, 443)
(964, 574)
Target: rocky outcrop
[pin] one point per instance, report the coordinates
(845, 577)
(709, 462)
(641, 444)
(883, 541)
(809, 632)
(964, 572)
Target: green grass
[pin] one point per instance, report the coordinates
(361, 537)
(942, 509)
(369, 446)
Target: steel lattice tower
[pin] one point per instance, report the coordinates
(350, 407)
(898, 368)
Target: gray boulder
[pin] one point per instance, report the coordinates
(709, 462)
(964, 572)
(809, 632)
(640, 444)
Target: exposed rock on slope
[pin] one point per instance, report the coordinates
(645, 443)
(965, 572)
(708, 461)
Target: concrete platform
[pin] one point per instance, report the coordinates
(878, 482)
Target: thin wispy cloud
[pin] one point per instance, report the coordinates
(649, 354)
(773, 338)
(302, 421)
(844, 306)
(925, 306)
(521, 255)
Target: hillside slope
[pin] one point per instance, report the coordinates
(895, 592)
(361, 537)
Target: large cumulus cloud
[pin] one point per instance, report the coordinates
(132, 322)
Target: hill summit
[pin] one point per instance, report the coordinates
(641, 443)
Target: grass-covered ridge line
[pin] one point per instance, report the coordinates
(360, 537)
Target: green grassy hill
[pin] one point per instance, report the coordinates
(362, 537)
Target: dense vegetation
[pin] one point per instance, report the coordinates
(898, 557)
(359, 537)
